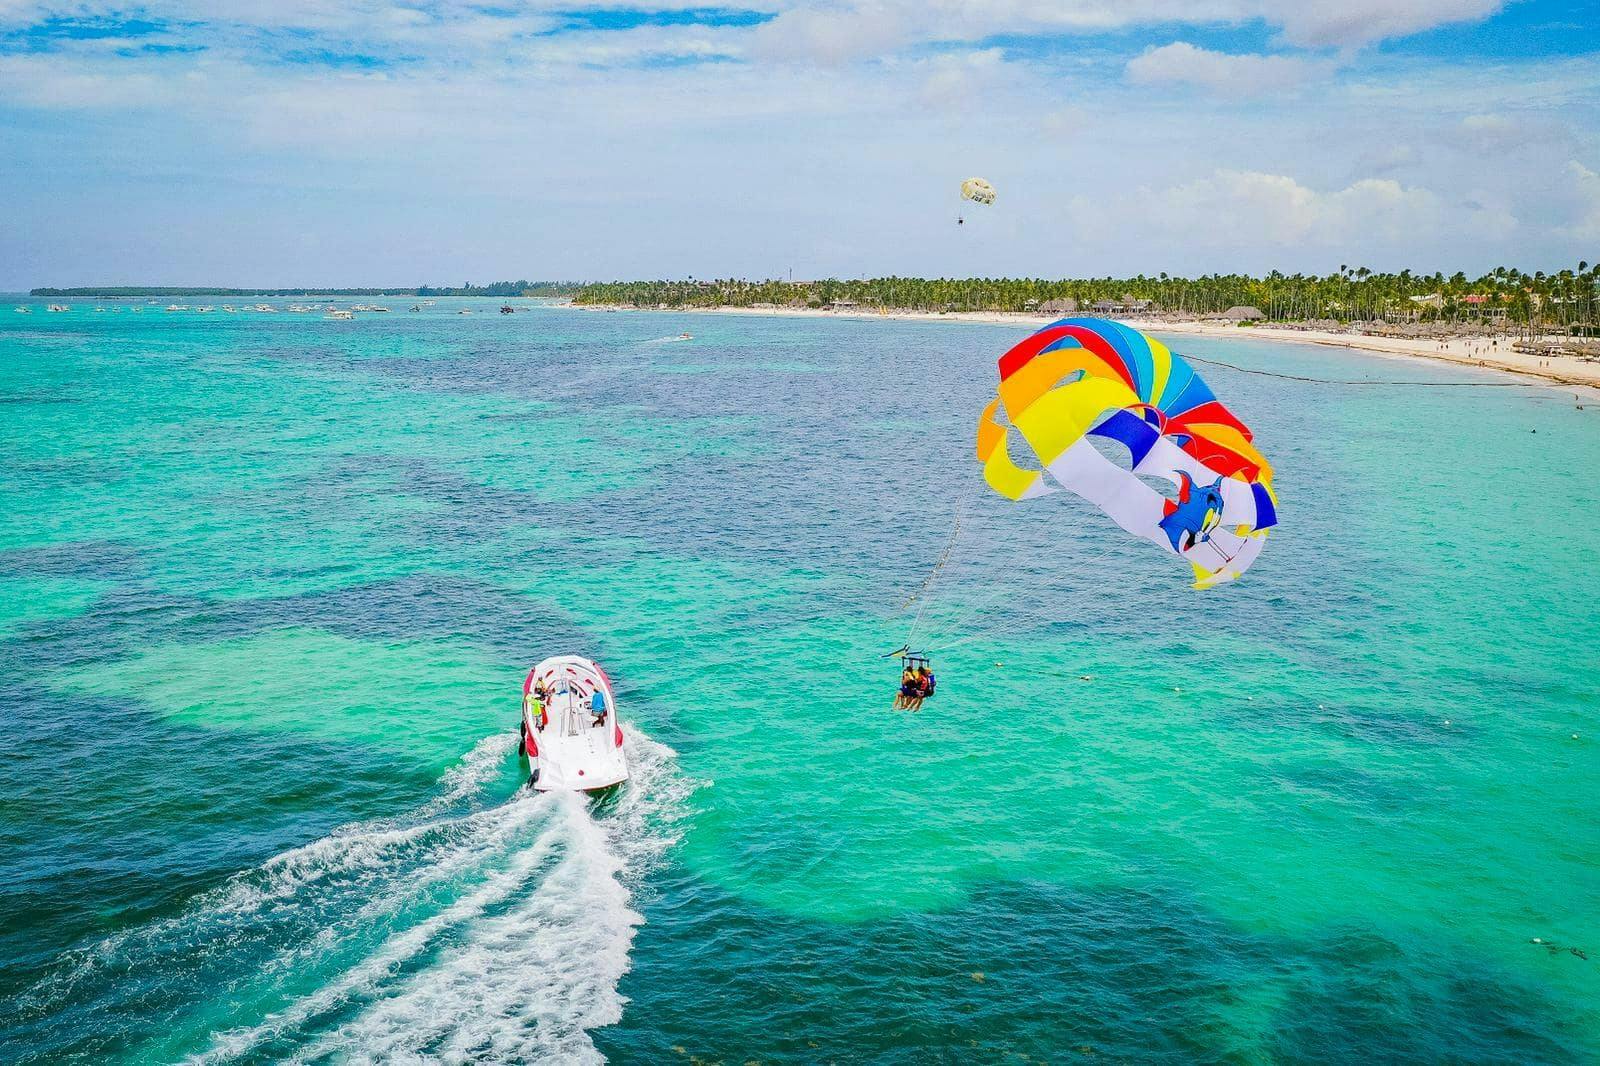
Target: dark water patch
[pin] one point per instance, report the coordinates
(1037, 972)
(38, 397)
(467, 512)
(96, 837)
(92, 559)
(516, 629)
(1388, 728)
(130, 619)
(1370, 999)
(1328, 783)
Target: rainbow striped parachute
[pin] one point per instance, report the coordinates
(1117, 418)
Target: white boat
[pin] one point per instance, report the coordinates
(570, 734)
(177, 307)
(376, 307)
(203, 310)
(229, 308)
(266, 309)
(59, 307)
(342, 316)
(23, 310)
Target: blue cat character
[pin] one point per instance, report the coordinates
(1195, 513)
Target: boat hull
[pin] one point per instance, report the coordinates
(570, 736)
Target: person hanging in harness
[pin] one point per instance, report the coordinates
(917, 682)
(922, 684)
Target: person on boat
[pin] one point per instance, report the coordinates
(536, 702)
(597, 706)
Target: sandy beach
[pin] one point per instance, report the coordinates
(1475, 351)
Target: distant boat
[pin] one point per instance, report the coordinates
(343, 316)
(23, 310)
(99, 310)
(464, 311)
(59, 307)
(266, 309)
(416, 307)
(507, 309)
(203, 310)
(177, 307)
(429, 303)
(228, 308)
(376, 307)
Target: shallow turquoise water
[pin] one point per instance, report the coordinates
(270, 584)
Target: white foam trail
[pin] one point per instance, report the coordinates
(521, 966)
(354, 856)
(528, 984)
(369, 975)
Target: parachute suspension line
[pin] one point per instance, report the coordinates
(1412, 384)
(925, 593)
(951, 626)
(944, 557)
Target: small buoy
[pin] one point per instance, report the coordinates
(1538, 940)
(1574, 736)
(1175, 688)
(1085, 677)
(1447, 721)
(998, 665)
(977, 975)
(1320, 707)
(1249, 697)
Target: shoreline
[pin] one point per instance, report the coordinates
(1474, 352)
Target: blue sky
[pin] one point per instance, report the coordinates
(378, 142)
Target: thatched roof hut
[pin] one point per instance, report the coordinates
(1062, 305)
(1243, 314)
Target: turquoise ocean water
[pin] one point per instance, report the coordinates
(269, 584)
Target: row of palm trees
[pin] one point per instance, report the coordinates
(1567, 300)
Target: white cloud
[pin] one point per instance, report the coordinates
(1220, 73)
(1585, 225)
(1233, 209)
(1350, 23)
(960, 81)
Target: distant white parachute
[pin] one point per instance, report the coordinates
(977, 190)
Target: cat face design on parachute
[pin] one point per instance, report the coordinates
(1194, 514)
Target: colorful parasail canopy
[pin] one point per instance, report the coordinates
(1115, 417)
(977, 190)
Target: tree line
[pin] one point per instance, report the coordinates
(1566, 298)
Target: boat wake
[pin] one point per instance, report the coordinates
(460, 932)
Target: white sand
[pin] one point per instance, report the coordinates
(1466, 351)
